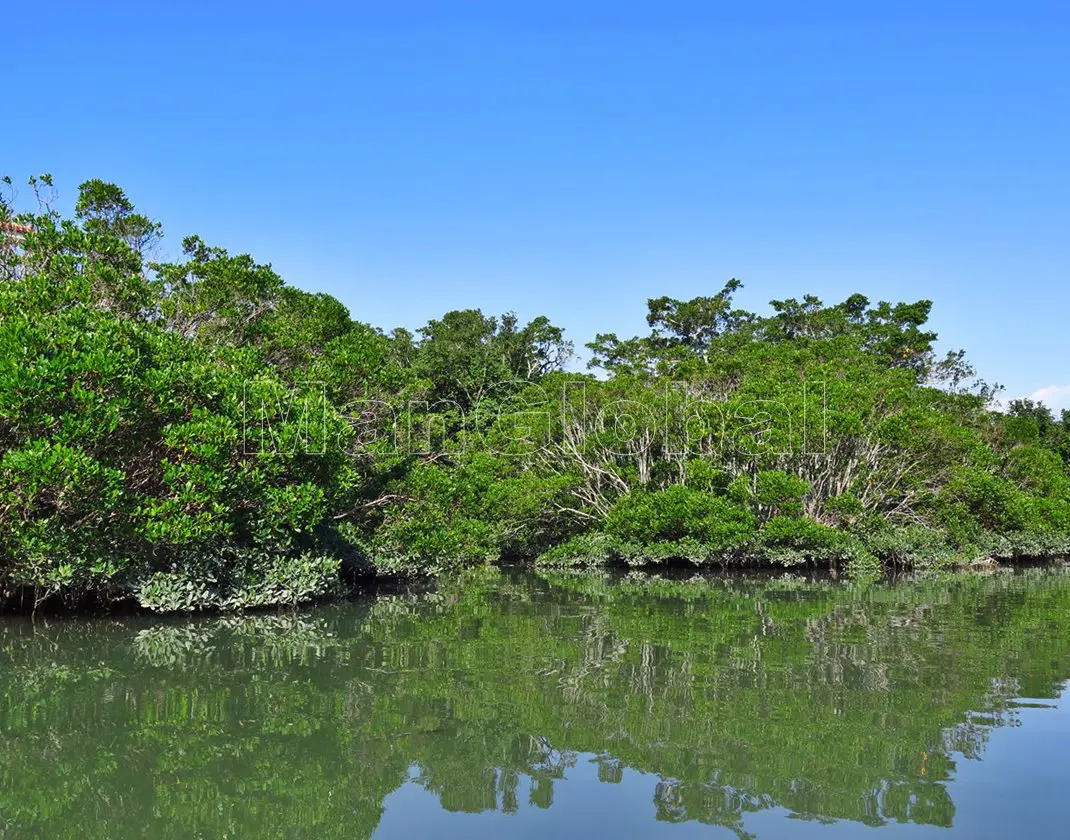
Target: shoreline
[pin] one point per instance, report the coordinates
(399, 583)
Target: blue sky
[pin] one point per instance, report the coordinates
(573, 159)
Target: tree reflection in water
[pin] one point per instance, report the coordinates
(737, 695)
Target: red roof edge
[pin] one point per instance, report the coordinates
(15, 227)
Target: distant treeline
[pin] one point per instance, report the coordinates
(199, 434)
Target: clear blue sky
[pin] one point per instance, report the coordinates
(573, 159)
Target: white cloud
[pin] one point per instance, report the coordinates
(1055, 397)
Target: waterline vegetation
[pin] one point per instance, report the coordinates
(128, 388)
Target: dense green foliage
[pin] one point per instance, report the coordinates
(197, 433)
(496, 691)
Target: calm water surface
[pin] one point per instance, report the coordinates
(509, 705)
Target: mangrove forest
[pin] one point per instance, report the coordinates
(196, 433)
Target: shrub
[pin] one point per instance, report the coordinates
(677, 513)
(792, 540)
(780, 493)
(915, 546)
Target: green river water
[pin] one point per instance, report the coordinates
(505, 704)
